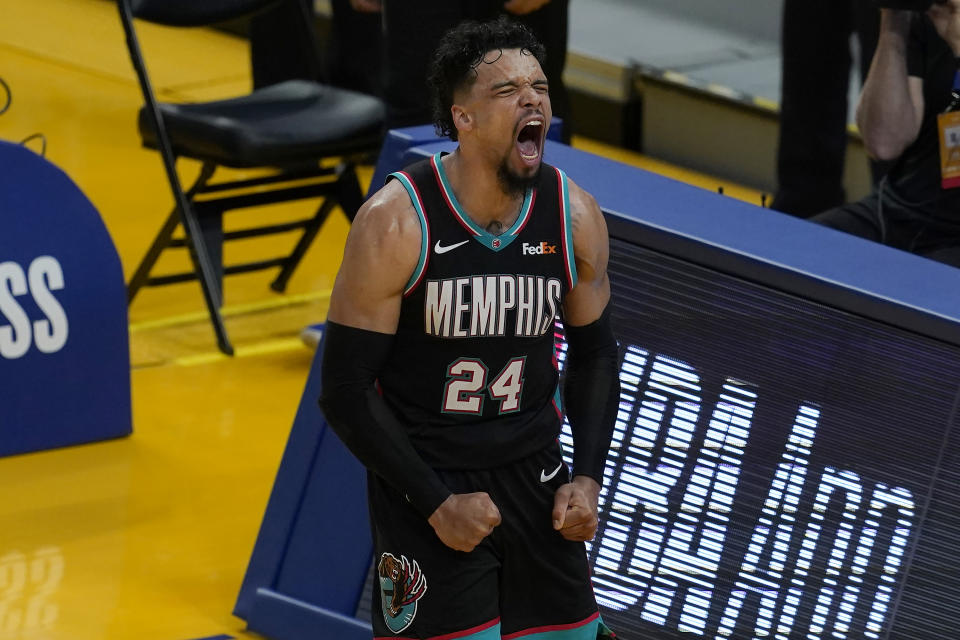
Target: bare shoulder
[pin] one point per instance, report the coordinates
(589, 227)
(582, 201)
(591, 251)
(387, 219)
(381, 253)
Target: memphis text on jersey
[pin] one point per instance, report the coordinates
(522, 306)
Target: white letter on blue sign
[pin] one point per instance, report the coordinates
(15, 337)
(45, 275)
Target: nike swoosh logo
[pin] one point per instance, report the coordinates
(438, 249)
(546, 478)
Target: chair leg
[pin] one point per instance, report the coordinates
(207, 272)
(348, 196)
(162, 240)
(160, 243)
(349, 192)
(309, 233)
(211, 229)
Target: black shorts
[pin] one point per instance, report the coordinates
(523, 580)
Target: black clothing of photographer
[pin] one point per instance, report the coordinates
(816, 59)
(909, 84)
(412, 29)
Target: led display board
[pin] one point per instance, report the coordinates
(777, 468)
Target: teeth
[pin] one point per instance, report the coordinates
(536, 153)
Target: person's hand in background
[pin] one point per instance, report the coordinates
(367, 6)
(521, 7)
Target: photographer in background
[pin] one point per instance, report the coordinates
(908, 86)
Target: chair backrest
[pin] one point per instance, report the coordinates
(194, 13)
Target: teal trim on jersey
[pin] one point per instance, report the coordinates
(424, 232)
(588, 631)
(567, 228)
(557, 399)
(487, 239)
(490, 633)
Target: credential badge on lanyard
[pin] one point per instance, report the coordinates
(949, 125)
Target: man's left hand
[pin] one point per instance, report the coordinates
(522, 7)
(575, 509)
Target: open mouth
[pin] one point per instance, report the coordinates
(529, 140)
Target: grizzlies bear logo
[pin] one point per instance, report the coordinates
(401, 585)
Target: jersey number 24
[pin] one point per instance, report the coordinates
(467, 387)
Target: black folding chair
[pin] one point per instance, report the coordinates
(289, 128)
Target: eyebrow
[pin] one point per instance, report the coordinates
(511, 83)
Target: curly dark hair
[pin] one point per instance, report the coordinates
(462, 49)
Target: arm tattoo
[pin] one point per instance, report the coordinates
(575, 218)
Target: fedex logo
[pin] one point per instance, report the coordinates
(541, 249)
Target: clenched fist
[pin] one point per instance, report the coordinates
(463, 520)
(575, 509)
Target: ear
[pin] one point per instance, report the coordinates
(462, 118)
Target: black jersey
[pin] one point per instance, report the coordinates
(473, 374)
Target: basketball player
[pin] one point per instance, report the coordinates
(440, 371)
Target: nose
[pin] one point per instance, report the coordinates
(530, 97)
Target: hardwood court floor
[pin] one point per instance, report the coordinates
(148, 537)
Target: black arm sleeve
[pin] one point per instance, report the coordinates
(352, 361)
(591, 393)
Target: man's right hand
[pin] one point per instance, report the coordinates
(463, 520)
(891, 105)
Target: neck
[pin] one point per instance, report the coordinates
(481, 193)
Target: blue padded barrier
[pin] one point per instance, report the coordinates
(310, 562)
(64, 351)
